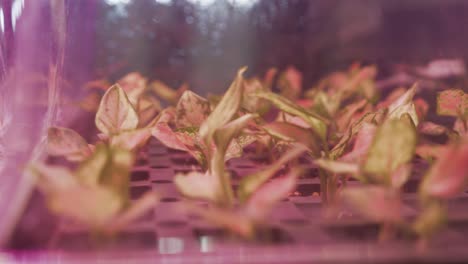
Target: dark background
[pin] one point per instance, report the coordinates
(182, 40)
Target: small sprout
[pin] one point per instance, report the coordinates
(192, 112)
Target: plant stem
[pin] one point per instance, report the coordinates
(386, 232)
(324, 179)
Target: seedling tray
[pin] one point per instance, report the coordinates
(297, 231)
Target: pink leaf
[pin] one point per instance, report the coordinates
(452, 103)
(364, 140)
(262, 201)
(448, 176)
(433, 129)
(170, 139)
(132, 139)
(422, 107)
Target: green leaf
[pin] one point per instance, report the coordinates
(116, 175)
(191, 110)
(116, 114)
(452, 103)
(225, 110)
(90, 170)
(222, 138)
(292, 133)
(393, 145)
(251, 103)
(376, 203)
(338, 167)
(249, 184)
(318, 123)
(401, 175)
(431, 219)
(404, 105)
(66, 142)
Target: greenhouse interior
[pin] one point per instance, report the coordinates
(233, 131)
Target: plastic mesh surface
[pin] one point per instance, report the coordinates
(296, 221)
